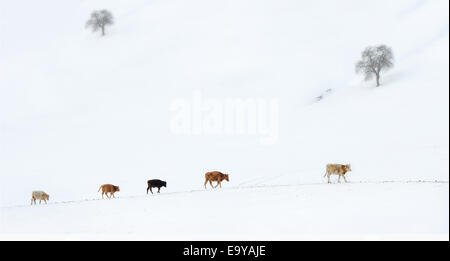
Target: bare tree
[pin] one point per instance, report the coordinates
(100, 19)
(375, 59)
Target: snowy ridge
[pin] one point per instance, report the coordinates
(234, 188)
(293, 212)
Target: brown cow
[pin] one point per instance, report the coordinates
(337, 169)
(108, 188)
(215, 176)
(41, 195)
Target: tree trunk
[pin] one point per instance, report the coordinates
(378, 79)
(103, 30)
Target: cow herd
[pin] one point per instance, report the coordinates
(216, 176)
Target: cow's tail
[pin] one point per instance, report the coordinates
(99, 189)
(325, 174)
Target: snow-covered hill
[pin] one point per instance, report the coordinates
(78, 110)
(357, 211)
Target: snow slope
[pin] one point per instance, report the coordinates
(294, 212)
(78, 110)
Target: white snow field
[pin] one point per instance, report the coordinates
(78, 110)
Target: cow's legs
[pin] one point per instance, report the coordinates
(113, 195)
(339, 179)
(159, 188)
(206, 181)
(31, 201)
(210, 183)
(345, 179)
(103, 194)
(45, 202)
(40, 201)
(329, 181)
(151, 190)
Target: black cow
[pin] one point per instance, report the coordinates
(155, 183)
